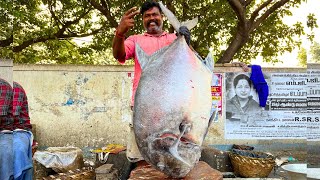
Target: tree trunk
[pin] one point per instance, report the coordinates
(239, 40)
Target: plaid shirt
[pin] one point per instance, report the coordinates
(6, 119)
(20, 108)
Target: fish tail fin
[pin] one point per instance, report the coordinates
(209, 62)
(174, 21)
(190, 23)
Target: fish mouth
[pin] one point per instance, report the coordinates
(172, 150)
(177, 147)
(172, 154)
(173, 137)
(172, 143)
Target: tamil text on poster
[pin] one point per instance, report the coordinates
(284, 117)
(313, 100)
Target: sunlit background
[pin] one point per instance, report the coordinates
(299, 14)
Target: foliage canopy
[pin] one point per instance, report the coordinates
(43, 31)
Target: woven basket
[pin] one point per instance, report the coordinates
(251, 167)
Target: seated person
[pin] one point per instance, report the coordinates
(6, 127)
(22, 136)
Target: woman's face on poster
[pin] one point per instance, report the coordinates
(243, 89)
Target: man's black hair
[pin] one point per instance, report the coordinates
(148, 5)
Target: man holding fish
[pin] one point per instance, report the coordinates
(151, 41)
(171, 91)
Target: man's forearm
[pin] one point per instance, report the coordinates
(118, 47)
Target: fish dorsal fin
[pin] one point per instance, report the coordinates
(142, 56)
(174, 21)
(209, 62)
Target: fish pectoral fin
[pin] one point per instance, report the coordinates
(209, 62)
(142, 56)
(213, 116)
(190, 23)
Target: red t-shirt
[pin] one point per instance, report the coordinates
(149, 44)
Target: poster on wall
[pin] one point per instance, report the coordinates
(313, 99)
(284, 116)
(216, 93)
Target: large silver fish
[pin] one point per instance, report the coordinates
(172, 105)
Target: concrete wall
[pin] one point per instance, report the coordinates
(88, 106)
(77, 105)
(6, 70)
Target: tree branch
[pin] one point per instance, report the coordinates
(6, 42)
(71, 43)
(238, 41)
(66, 36)
(75, 21)
(185, 9)
(62, 33)
(263, 17)
(204, 11)
(104, 4)
(31, 41)
(105, 12)
(69, 23)
(247, 3)
(56, 19)
(58, 35)
(256, 12)
(244, 30)
(239, 10)
(108, 3)
(243, 2)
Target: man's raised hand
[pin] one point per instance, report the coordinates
(127, 21)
